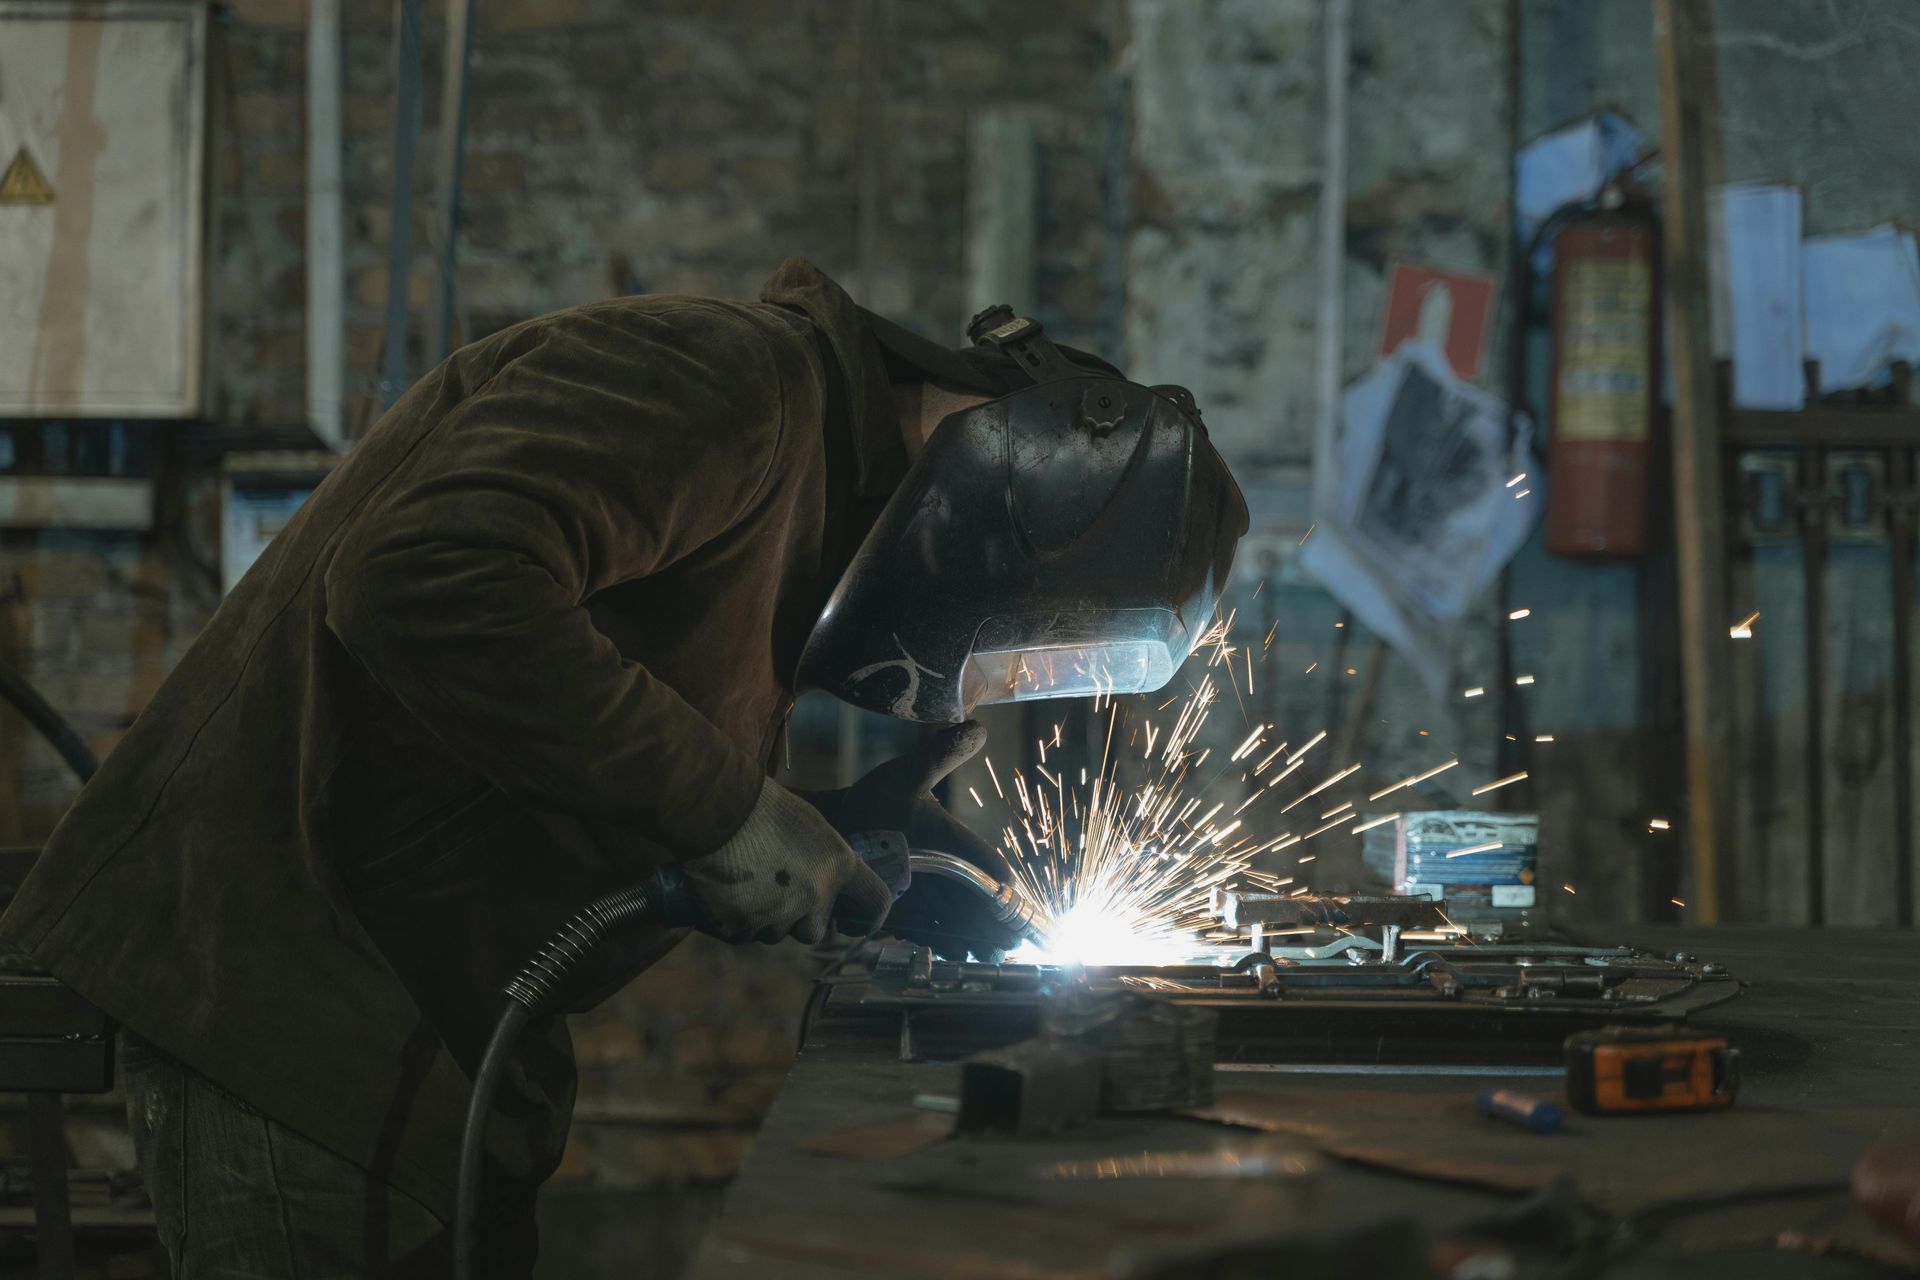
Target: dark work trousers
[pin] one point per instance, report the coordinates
(237, 1196)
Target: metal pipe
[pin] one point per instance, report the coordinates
(1010, 905)
(453, 135)
(54, 727)
(1814, 506)
(326, 277)
(1333, 254)
(406, 133)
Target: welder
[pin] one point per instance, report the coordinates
(536, 637)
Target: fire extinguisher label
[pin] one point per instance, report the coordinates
(1607, 305)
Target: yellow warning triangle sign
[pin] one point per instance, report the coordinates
(23, 183)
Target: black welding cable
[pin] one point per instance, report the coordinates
(486, 1083)
(542, 987)
(52, 725)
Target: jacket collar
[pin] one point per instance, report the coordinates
(880, 454)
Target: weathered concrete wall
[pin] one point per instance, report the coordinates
(676, 147)
(692, 144)
(1224, 258)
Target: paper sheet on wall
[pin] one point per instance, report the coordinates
(1862, 294)
(1569, 164)
(1759, 247)
(1424, 518)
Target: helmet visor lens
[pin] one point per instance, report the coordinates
(1100, 653)
(1066, 671)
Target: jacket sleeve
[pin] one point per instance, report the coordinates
(607, 449)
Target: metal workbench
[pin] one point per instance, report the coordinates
(1829, 1027)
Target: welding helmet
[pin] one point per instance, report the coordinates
(1069, 536)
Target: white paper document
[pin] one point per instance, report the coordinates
(1759, 245)
(1424, 517)
(1862, 293)
(1569, 164)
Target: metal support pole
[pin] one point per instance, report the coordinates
(1813, 547)
(453, 136)
(52, 1212)
(869, 139)
(326, 277)
(1900, 539)
(1329, 357)
(406, 134)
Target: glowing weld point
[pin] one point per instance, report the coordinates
(1092, 934)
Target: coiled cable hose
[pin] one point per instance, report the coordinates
(538, 989)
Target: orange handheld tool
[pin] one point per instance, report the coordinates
(1617, 1070)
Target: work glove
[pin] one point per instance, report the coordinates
(898, 796)
(786, 872)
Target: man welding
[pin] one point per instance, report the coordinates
(536, 637)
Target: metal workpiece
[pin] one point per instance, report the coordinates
(1039, 1086)
(1009, 905)
(1237, 909)
(1156, 1054)
(1339, 1000)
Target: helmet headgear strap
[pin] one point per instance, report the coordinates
(1023, 341)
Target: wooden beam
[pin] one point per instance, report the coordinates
(1822, 427)
(1683, 50)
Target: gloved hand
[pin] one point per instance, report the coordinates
(898, 796)
(786, 872)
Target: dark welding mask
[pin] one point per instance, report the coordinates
(1068, 537)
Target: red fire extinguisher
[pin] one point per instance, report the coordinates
(1605, 382)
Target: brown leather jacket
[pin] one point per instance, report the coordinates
(535, 635)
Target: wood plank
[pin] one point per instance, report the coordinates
(1832, 428)
(1684, 53)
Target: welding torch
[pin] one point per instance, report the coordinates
(590, 943)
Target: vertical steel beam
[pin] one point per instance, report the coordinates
(1813, 550)
(1900, 540)
(1336, 30)
(406, 134)
(52, 1209)
(869, 141)
(326, 274)
(453, 137)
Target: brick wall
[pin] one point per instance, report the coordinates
(614, 147)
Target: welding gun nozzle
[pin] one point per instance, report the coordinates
(1010, 906)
